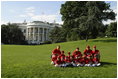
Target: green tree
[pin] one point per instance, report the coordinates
(57, 35)
(11, 34)
(112, 30)
(102, 31)
(86, 15)
(73, 35)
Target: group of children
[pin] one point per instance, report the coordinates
(89, 57)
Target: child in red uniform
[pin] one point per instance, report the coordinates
(62, 54)
(76, 52)
(56, 51)
(88, 56)
(54, 58)
(58, 62)
(95, 52)
(68, 59)
(87, 51)
(62, 57)
(71, 60)
(63, 64)
(96, 56)
(79, 61)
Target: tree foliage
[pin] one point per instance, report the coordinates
(11, 34)
(112, 30)
(87, 16)
(57, 35)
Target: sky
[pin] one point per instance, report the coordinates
(18, 11)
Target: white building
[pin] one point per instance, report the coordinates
(36, 32)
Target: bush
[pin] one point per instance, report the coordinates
(47, 42)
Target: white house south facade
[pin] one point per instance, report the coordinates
(36, 32)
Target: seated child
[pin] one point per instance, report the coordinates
(88, 56)
(63, 64)
(96, 53)
(58, 62)
(71, 60)
(53, 59)
(88, 60)
(62, 54)
(79, 61)
(96, 61)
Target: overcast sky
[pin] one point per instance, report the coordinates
(18, 11)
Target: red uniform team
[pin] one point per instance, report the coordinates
(89, 57)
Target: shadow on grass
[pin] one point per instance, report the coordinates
(107, 63)
(106, 40)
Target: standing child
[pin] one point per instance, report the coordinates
(76, 52)
(56, 51)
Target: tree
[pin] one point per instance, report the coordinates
(11, 34)
(57, 35)
(86, 15)
(112, 30)
(73, 35)
(102, 31)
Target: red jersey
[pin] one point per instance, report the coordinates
(68, 59)
(80, 60)
(87, 61)
(95, 52)
(76, 53)
(58, 62)
(54, 58)
(87, 53)
(61, 55)
(95, 60)
(56, 51)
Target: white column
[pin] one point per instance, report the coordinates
(43, 35)
(38, 34)
(26, 33)
(33, 33)
(29, 35)
(46, 34)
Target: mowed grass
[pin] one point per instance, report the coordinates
(26, 61)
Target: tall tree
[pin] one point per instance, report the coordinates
(86, 15)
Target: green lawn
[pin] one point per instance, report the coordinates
(26, 61)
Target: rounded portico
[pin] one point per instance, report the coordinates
(37, 32)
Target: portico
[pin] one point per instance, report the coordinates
(36, 34)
